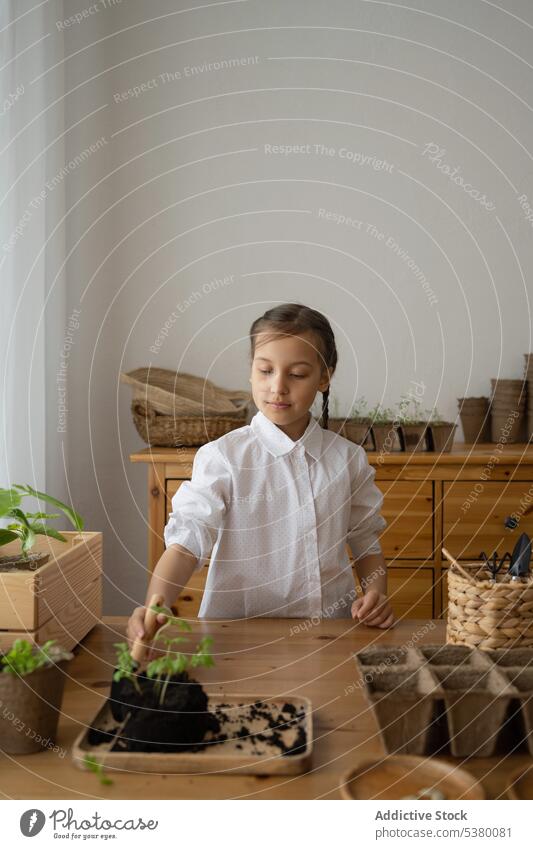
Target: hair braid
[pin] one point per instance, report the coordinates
(325, 408)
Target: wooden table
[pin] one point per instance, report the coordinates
(262, 657)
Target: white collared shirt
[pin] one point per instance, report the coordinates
(275, 515)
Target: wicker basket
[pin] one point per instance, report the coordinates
(180, 431)
(175, 409)
(488, 614)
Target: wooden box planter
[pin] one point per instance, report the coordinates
(60, 600)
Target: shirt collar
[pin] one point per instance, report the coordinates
(278, 443)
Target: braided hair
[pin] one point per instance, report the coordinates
(292, 320)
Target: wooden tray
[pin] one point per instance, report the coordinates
(398, 776)
(245, 754)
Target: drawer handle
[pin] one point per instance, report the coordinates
(512, 522)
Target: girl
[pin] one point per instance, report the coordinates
(275, 502)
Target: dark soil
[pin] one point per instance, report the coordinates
(19, 563)
(179, 724)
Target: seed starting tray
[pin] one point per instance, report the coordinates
(440, 698)
(267, 736)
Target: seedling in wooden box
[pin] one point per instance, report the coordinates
(29, 525)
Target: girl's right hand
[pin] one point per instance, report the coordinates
(135, 627)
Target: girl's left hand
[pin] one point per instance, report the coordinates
(373, 609)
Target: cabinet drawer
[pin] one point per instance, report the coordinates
(171, 488)
(411, 592)
(473, 520)
(408, 509)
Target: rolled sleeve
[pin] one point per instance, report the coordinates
(366, 522)
(199, 505)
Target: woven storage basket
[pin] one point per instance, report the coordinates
(487, 614)
(174, 409)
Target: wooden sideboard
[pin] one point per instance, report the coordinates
(459, 500)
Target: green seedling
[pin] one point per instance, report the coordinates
(381, 415)
(409, 410)
(174, 662)
(126, 666)
(95, 766)
(24, 657)
(359, 409)
(28, 525)
(435, 417)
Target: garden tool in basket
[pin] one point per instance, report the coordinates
(520, 558)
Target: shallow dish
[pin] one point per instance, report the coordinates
(400, 776)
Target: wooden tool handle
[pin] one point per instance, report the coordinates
(458, 566)
(150, 627)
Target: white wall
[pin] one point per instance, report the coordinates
(183, 192)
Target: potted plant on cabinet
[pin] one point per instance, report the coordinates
(413, 427)
(31, 691)
(358, 423)
(355, 426)
(58, 586)
(384, 429)
(441, 433)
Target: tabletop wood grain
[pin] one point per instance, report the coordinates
(262, 657)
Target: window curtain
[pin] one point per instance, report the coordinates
(32, 306)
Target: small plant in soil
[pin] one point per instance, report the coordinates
(410, 411)
(32, 679)
(359, 411)
(167, 708)
(27, 526)
(435, 418)
(24, 657)
(381, 415)
(174, 663)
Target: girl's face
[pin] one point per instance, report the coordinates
(287, 372)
